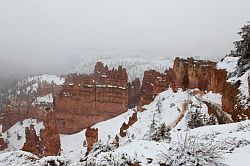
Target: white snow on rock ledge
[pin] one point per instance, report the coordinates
(45, 99)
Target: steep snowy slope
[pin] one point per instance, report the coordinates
(30, 84)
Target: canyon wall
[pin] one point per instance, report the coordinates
(88, 99)
(20, 106)
(81, 101)
(189, 74)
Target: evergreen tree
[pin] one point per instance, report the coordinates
(161, 133)
(243, 46)
(159, 105)
(242, 50)
(196, 119)
(153, 125)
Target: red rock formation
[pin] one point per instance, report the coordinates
(230, 94)
(19, 107)
(125, 126)
(47, 143)
(217, 81)
(50, 139)
(190, 73)
(153, 83)
(88, 99)
(91, 137)
(45, 88)
(32, 141)
(3, 144)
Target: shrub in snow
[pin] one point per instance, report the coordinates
(103, 155)
(230, 144)
(241, 127)
(109, 158)
(159, 105)
(189, 151)
(161, 133)
(100, 148)
(198, 119)
(53, 161)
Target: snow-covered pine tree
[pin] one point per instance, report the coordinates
(243, 46)
(196, 119)
(159, 105)
(161, 133)
(152, 127)
(242, 50)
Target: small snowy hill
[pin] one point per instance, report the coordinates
(230, 141)
(135, 66)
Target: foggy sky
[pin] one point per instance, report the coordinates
(50, 35)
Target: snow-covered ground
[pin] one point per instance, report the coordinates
(232, 139)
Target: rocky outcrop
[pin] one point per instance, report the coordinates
(19, 107)
(153, 83)
(45, 144)
(230, 94)
(32, 141)
(3, 144)
(190, 73)
(91, 138)
(88, 99)
(49, 137)
(125, 126)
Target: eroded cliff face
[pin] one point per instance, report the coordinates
(20, 106)
(48, 142)
(153, 83)
(88, 99)
(81, 101)
(190, 74)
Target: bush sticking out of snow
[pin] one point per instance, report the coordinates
(53, 161)
(190, 151)
(198, 119)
